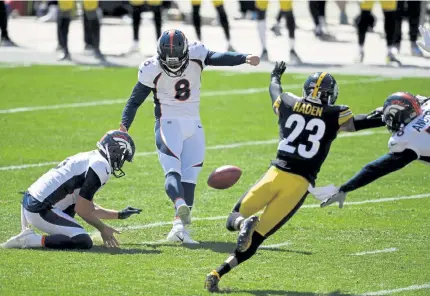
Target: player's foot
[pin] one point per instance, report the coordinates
(88, 49)
(184, 213)
(360, 57)
(180, 234)
(98, 55)
(134, 47)
(391, 59)
(416, 51)
(211, 282)
(244, 239)
(294, 57)
(264, 55)
(7, 42)
(20, 240)
(64, 56)
(276, 30)
(230, 48)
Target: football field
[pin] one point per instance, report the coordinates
(378, 244)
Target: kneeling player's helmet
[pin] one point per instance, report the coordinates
(321, 88)
(117, 147)
(399, 109)
(172, 52)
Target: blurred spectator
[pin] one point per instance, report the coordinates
(343, 17)
(52, 11)
(286, 10)
(219, 6)
(93, 23)
(245, 8)
(4, 39)
(389, 8)
(138, 8)
(412, 10)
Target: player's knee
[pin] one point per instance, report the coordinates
(234, 221)
(261, 14)
(82, 241)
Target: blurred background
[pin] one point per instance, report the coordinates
(304, 33)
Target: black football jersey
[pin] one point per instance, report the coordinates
(306, 133)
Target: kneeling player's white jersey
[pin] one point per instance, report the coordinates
(60, 186)
(415, 136)
(176, 97)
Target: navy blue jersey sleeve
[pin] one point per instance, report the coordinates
(138, 96)
(382, 166)
(91, 184)
(225, 58)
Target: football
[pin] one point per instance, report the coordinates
(224, 177)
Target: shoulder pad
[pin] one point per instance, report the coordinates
(345, 114)
(197, 51)
(101, 167)
(148, 70)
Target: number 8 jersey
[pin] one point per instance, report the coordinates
(176, 97)
(306, 132)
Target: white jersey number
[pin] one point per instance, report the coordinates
(313, 138)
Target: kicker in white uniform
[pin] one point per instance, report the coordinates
(174, 78)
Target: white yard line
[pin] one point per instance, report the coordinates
(203, 94)
(389, 250)
(312, 206)
(216, 147)
(406, 289)
(275, 246)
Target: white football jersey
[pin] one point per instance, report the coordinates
(61, 185)
(415, 136)
(176, 97)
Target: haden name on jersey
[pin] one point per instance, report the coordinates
(307, 109)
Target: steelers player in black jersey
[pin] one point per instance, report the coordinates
(308, 125)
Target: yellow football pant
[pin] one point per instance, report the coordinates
(141, 2)
(389, 5)
(216, 3)
(285, 5)
(280, 194)
(67, 5)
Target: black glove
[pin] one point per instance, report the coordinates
(278, 70)
(127, 212)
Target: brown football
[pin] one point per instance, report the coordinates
(224, 177)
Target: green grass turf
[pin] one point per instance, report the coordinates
(317, 261)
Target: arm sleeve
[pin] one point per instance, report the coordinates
(91, 184)
(345, 114)
(225, 58)
(138, 96)
(363, 121)
(382, 166)
(275, 90)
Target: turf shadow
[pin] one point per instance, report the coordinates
(217, 247)
(282, 292)
(104, 250)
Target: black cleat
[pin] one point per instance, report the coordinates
(64, 56)
(244, 239)
(211, 282)
(294, 57)
(392, 60)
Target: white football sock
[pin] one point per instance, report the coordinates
(261, 26)
(178, 202)
(34, 241)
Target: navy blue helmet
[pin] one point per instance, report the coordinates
(399, 109)
(117, 147)
(172, 52)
